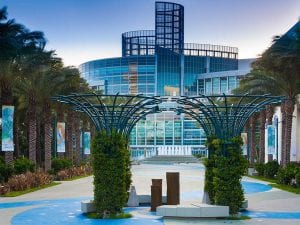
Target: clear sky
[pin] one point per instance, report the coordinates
(82, 30)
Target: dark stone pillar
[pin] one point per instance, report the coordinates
(173, 188)
(156, 194)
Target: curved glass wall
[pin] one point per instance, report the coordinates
(141, 42)
(126, 75)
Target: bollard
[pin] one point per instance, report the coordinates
(173, 188)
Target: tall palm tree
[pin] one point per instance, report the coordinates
(15, 42)
(262, 122)
(277, 72)
(38, 82)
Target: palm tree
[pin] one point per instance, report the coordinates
(34, 88)
(277, 72)
(15, 42)
(262, 120)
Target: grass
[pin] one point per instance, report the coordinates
(238, 218)
(289, 188)
(112, 216)
(18, 193)
(270, 180)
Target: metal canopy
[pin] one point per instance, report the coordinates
(224, 115)
(112, 112)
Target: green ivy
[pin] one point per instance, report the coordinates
(111, 166)
(224, 171)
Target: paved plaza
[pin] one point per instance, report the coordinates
(61, 203)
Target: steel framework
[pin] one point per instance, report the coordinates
(112, 112)
(224, 115)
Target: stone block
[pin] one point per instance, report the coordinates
(88, 206)
(133, 200)
(188, 211)
(213, 211)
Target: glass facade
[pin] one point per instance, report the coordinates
(158, 62)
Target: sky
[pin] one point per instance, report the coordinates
(83, 30)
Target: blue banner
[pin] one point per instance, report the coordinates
(87, 143)
(7, 128)
(61, 137)
(271, 139)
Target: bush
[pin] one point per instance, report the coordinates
(298, 179)
(288, 174)
(111, 166)
(60, 164)
(260, 168)
(271, 169)
(6, 171)
(23, 165)
(28, 180)
(74, 172)
(226, 167)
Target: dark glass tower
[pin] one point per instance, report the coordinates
(169, 26)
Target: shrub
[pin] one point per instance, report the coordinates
(23, 165)
(288, 174)
(226, 167)
(298, 179)
(111, 166)
(260, 168)
(6, 171)
(60, 164)
(271, 169)
(28, 180)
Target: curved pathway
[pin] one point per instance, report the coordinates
(62, 202)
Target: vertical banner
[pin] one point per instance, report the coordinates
(61, 137)
(7, 128)
(245, 145)
(87, 143)
(271, 139)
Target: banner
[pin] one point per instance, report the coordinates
(245, 145)
(61, 137)
(87, 143)
(271, 139)
(7, 128)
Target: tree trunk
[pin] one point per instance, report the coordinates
(16, 135)
(38, 142)
(47, 136)
(289, 110)
(269, 114)
(77, 139)
(252, 138)
(283, 133)
(32, 132)
(69, 135)
(262, 120)
(7, 99)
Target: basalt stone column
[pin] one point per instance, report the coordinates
(156, 194)
(173, 188)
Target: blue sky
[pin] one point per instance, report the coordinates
(82, 30)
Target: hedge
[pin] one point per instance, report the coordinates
(112, 177)
(225, 169)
